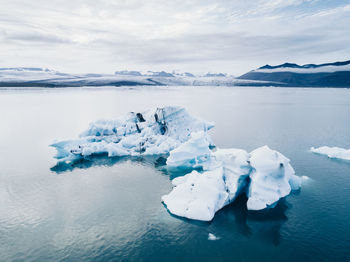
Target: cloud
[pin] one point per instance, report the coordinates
(228, 36)
(29, 38)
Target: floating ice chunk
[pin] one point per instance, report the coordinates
(153, 132)
(197, 196)
(272, 178)
(236, 170)
(264, 175)
(332, 152)
(200, 195)
(212, 237)
(191, 153)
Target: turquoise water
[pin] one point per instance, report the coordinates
(110, 209)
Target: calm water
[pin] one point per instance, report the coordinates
(110, 209)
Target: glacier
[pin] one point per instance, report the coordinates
(215, 176)
(332, 152)
(43, 77)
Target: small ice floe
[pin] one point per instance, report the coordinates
(156, 131)
(212, 237)
(332, 152)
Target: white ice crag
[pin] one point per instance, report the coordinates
(264, 175)
(152, 132)
(332, 152)
(192, 153)
(197, 195)
(200, 195)
(272, 178)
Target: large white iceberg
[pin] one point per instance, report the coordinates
(332, 152)
(153, 132)
(220, 175)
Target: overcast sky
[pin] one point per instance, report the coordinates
(199, 36)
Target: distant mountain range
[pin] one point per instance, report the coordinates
(285, 75)
(310, 75)
(41, 77)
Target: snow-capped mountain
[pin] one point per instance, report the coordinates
(40, 77)
(310, 75)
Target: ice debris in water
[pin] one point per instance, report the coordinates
(264, 175)
(212, 237)
(153, 132)
(332, 152)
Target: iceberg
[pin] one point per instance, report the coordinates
(218, 176)
(332, 152)
(156, 131)
(272, 178)
(212, 237)
(192, 153)
(264, 175)
(200, 195)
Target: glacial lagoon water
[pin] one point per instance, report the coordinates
(110, 209)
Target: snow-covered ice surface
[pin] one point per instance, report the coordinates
(311, 70)
(332, 152)
(156, 131)
(42, 77)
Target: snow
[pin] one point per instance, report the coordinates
(156, 131)
(332, 152)
(321, 69)
(46, 77)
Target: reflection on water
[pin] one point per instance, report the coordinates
(103, 160)
(272, 219)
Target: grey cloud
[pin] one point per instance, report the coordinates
(36, 38)
(103, 34)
